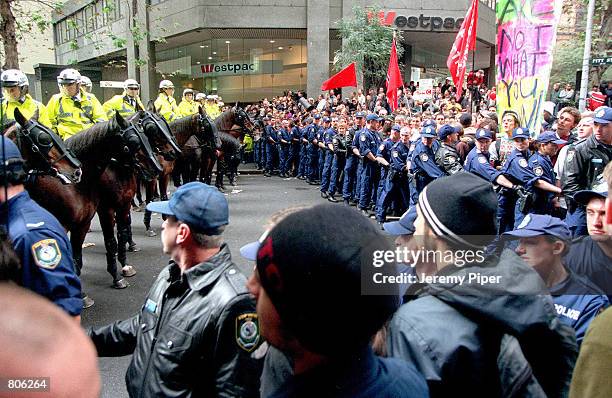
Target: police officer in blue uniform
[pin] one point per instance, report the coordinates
(478, 161)
(38, 238)
(296, 138)
(543, 241)
(271, 140)
(396, 180)
(339, 144)
(351, 176)
(383, 156)
(423, 162)
(284, 149)
(327, 149)
(367, 147)
(541, 164)
(510, 210)
(320, 149)
(304, 169)
(313, 151)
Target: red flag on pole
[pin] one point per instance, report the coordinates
(465, 41)
(347, 77)
(394, 78)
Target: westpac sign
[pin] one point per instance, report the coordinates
(258, 67)
(419, 23)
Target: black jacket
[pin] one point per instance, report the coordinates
(195, 335)
(448, 159)
(585, 163)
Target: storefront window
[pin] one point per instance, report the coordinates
(239, 70)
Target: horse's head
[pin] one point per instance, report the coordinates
(158, 132)
(136, 150)
(43, 150)
(242, 119)
(207, 131)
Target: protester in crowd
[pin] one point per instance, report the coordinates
(197, 329)
(503, 144)
(568, 119)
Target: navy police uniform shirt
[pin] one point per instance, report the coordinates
(424, 161)
(285, 135)
(270, 134)
(367, 142)
(578, 302)
(479, 163)
(586, 258)
(384, 149)
(517, 170)
(399, 156)
(46, 257)
(542, 167)
(328, 136)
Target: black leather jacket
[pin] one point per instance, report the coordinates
(194, 337)
(448, 159)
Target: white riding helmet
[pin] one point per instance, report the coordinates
(166, 84)
(187, 91)
(69, 76)
(86, 82)
(210, 97)
(130, 83)
(13, 77)
(200, 96)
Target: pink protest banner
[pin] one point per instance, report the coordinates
(526, 34)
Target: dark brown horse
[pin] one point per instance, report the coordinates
(118, 186)
(190, 132)
(44, 151)
(75, 205)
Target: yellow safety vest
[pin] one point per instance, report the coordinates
(187, 108)
(121, 104)
(69, 117)
(166, 106)
(27, 108)
(212, 110)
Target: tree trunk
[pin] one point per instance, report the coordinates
(7, 33)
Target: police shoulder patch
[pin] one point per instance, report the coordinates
(46, 253)
(363, 137)
(570, 156)
(424, 157)
(482, 160)
(381, 147)
(247, 331)
(538, 171)
(523, 162)
(395, 154)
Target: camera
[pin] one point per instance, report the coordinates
(303, 102)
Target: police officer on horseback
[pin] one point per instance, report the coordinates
(188, 106)
(126, 103)
(72, 110)
(165, 102)
(16, 96)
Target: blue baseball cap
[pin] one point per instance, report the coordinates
(550, 136)
(445, 131)
(599, 191)
(8, 150)
(360, 114)
(317, 116)
(396, 127)
(371, 116)
(405, 225)
(539, 224)
(199, 205)
(520, 132)
(326, 120)
(430, 122)
(428, 132)
(483, 134)
(603, 115)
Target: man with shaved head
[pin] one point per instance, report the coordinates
(38, 340)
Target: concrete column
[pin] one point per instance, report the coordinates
(317, 25)
(146, 52)
(131, 50)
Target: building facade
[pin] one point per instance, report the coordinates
(245, 50)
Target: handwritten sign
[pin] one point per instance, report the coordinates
(526, 33)
(425, 90)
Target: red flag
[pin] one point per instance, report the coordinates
(347, 77)
(394, 78)
(465, 41)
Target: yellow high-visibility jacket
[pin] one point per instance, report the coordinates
(166, 107)
(27, 108)
(69, 116)
(124, 104)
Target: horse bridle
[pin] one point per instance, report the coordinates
(33, 140)
(164, 128)
(135, 136)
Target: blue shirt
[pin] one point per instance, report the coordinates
(328, 136)
(359, 376)
(542, 167)
(478, 163)
(384, 149)
(270, 134)
(284, 135)
(399, 156)
(424, 161)
(578, 302)
(517, 170)
(296, 134)
(367, 142)
(586, 258)
(45, 252)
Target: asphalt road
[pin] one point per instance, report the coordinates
(251, 203)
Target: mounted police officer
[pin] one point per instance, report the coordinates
(87, 86)
(447, 157)
(212, 108)
(165, 102)
(188, 106)
(38, 238)
(72, 110)
(15, 86)
(126, 103)
(351, 176)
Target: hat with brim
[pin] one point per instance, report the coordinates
(585, 196)
(249, 251)
(404, 226)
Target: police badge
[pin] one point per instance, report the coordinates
(247, 331)
(523, 162)
(46, 253)
(538, 171)
(424, 157)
